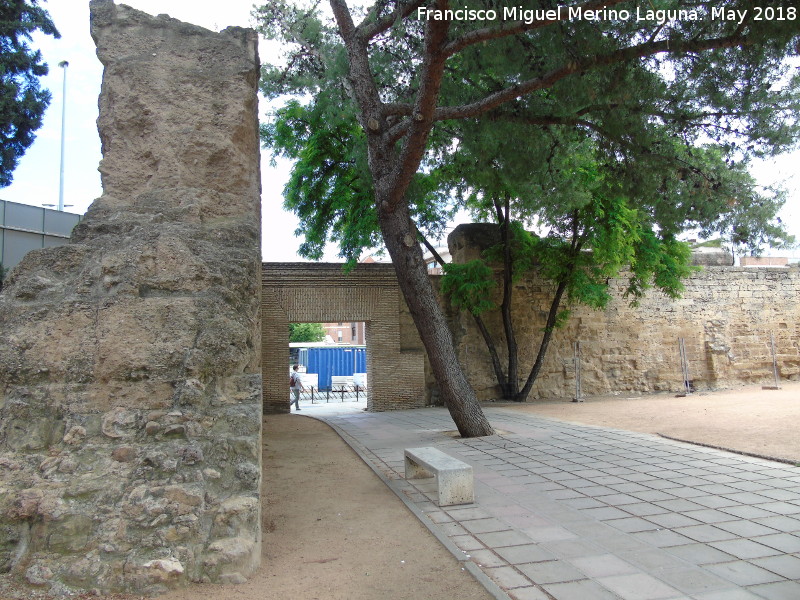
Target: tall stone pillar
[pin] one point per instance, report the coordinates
(130, 386)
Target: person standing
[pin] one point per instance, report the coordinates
(296, 385)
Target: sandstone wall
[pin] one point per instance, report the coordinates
(726, 316)
(130, 385)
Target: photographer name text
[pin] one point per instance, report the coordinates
(571, 13)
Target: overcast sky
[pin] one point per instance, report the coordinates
(36, 179)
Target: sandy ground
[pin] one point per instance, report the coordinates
(748, 419)
(333, 530)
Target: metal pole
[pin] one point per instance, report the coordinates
(687, 388)
(576, 350)
(63, 64)
(774, 359)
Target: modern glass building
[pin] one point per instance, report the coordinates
(24, 228)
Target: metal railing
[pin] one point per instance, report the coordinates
(336, 393)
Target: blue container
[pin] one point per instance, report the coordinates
(335, 360)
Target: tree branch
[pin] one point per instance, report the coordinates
(478, 36)
(625, 54)
(368, 30)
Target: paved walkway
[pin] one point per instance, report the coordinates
(576, 512)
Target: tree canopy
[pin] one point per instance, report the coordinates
(306, 332)
(401, 103)
(22, 100)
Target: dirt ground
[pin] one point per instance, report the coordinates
(749, 419)
(334, 531)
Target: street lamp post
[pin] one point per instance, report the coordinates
(63, 64)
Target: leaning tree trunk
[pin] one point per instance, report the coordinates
(399, 235)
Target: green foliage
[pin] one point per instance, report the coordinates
(306, 332)
(22, 101)
(469, 286)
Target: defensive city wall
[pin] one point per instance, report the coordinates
(725, 316)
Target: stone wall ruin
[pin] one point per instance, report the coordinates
(725, 315)
(130, 382)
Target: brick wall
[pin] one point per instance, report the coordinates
(322, 292)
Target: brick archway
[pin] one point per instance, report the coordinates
(322, 292)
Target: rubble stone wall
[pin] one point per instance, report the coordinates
(130, 374)
(726, 316)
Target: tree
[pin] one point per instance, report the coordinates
(408, 73)
(306, 332)
(22, 101)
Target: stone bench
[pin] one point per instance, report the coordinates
(453, 477)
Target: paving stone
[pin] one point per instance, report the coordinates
(692, 580)
(743, 573)
(528, 593)
(527, 553)
(579, 590)
(744, 549)
(467, 543)
(671, 520)
(555, 571)
(784, 590)
(487, 558)
(746, 529)
(663, 538)
(786, 565)
(728, 594)
(785, 542)
(708, 515)
(632, 524)
(639, 586)
(643, 509)
(484, 525)
(705, 533)
(603, 565)
(505, 538)
(572, 548)
(507, 577)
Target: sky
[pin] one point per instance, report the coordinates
(36, 179)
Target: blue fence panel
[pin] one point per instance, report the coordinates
(337, 360)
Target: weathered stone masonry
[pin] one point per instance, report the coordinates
(726, 316)
(130, 376)
(319, 292)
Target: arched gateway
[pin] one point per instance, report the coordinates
(323, 292)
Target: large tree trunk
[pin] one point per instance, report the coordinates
(400, 237)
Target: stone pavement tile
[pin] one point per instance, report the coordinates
(618, 500)
(467, 543)
(644, 509)
(708, 515)
(744, 549)
(671, 520)
(780, 522)
(743, 573)
(679, 505)
(528, 553)
(714, 501)
(452, 529)
(746, 529)
(749, 486)
(653, 496)
(564, 494)
(638, 586)
(685, 492)
(528, 593)
(507, 577)
(746, 512)
(487, 558)
(572, 548)
(464, 514)
(785, 542)
(705, 533)
(582, 502)
(692, 580)
(603, 565)
(554, 571)
(548, 534)
(439, 516)
(504, 538)
(484, 525)
(632, 524)
(663, 538)
(728, 594)
(779, 494)
(700, 554)
(605, 513)
(747, 498)
(784, 590)
(781, 508)
(653, 560)
(786, 565)
(579, 590)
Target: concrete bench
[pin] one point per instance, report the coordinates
(341, 382)
(453, 477)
